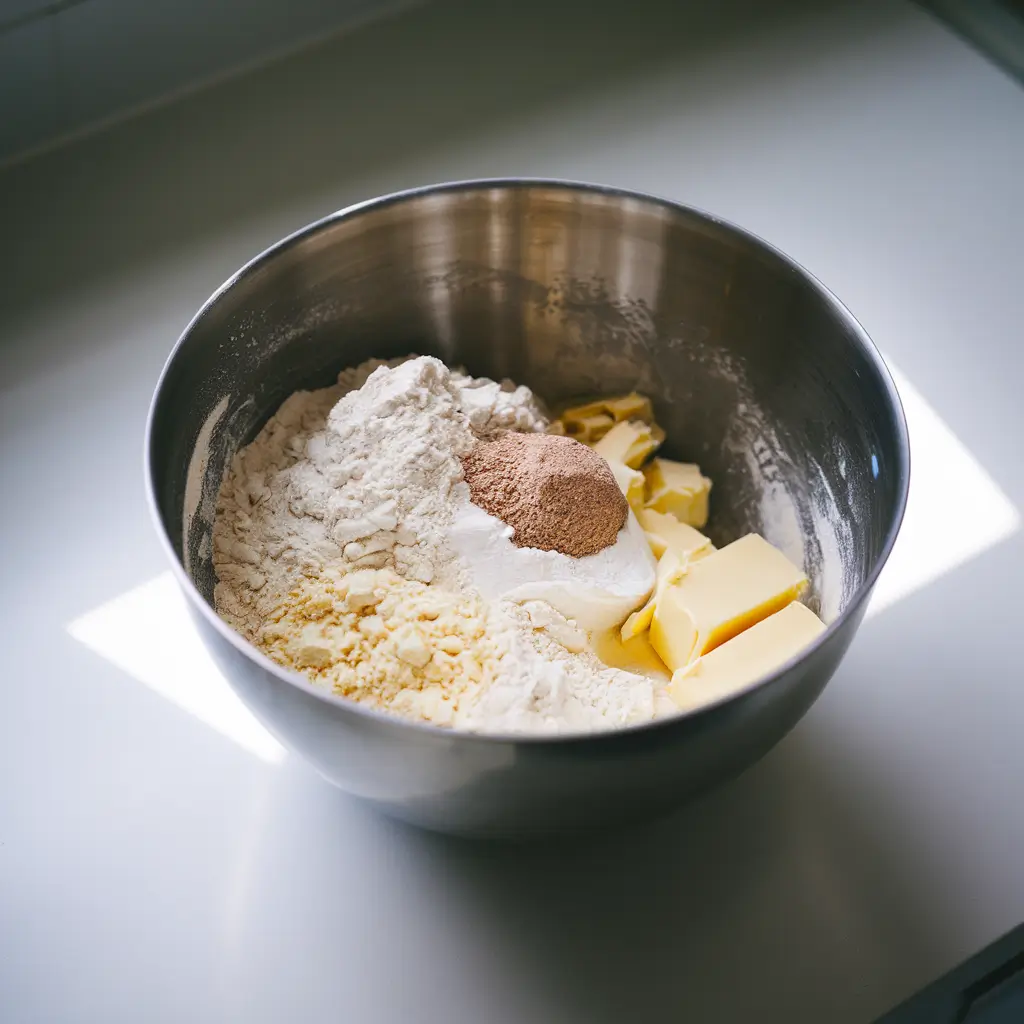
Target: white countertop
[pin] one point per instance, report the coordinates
(162, 860)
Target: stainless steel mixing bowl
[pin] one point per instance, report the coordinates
(756, 371)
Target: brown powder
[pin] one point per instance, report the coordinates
(555, 493)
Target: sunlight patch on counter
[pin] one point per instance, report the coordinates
(147, 632)
(955, 510)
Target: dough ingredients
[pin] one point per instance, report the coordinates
(436, 546)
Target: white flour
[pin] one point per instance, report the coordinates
(366, 475)
(596, 591)
(550, 682)
(359, 474)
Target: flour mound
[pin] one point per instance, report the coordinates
(360, 475)
(331, 549)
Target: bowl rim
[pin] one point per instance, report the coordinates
(857, 336)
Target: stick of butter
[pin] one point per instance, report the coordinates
(720, 596)
(664, 531)
(630, 442)
(754, 653)
(679, 488)
(671, 566)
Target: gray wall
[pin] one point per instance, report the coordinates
(68, 64)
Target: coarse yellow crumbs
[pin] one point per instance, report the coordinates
(385, 641)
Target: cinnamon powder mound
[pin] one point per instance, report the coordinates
(555, 493)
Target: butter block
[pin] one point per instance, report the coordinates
(588, 428)
(645, 446)
(745, 658)
(664, 531)
(630, 407)
(720, 596)
(634, 654)
(631, 483)
(616, 444)
(581, 412)
(679, 488)
(630, 442)
(590, 422)
(671, 565)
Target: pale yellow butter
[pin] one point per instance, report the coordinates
(743, 659)
(631, 483)
(671, 565)
(664, 531)
(581, 412)
(590, 422)
(630, 442)
(721, 595)
(588, 428)
(679, 488)
(630, 407)
(634, 654)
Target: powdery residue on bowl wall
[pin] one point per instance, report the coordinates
(200, 497)
(834, 533)
(222, 434)
(767, 490)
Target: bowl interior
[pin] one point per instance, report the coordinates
(756, 372)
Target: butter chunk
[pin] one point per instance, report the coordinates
(630, 442)
(671, 566)
(588, 428)
(615, 445)
(665, 532)
(581, 412)
(634, 654)
(720, 596)
(645, 446)
(745, 658)
(590, 422)
(679, 488)
(630, 407)
(631, 483)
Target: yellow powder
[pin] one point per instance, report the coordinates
(382, 640)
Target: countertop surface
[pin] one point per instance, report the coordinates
(161, 859)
